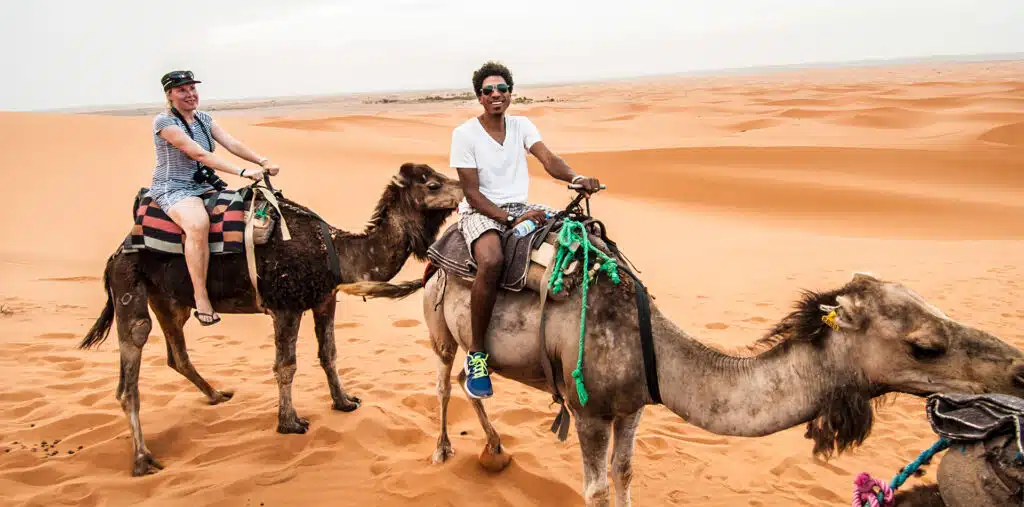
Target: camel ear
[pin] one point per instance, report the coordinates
(413, 172)
(847, 314)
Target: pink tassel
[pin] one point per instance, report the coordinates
(865, 489)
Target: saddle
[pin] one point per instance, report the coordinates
(527, 259)
(239, 220)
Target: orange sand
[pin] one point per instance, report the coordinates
(730, 193)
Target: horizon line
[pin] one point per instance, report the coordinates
(731, 71)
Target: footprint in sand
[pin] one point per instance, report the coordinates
(717, 325)
(71, 279)
(347, 325)
(56, 335)
(756, 319)
(406, 323)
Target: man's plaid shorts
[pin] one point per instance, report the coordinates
(474, 224)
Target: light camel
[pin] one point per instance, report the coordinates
(886, 338)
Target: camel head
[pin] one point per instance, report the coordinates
(882, 337)
(904, 344)
(428, 189)
(419, 200)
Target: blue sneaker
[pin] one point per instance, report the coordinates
(478, 383)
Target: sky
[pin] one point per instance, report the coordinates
(71, 54)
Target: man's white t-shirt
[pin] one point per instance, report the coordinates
(501, 168)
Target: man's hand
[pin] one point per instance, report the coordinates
(536, 215)
(590, 185)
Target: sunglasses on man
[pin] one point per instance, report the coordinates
(487, 90)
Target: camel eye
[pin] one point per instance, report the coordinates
(434, 185)
(924, 352)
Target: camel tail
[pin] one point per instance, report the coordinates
(101, 328)
(381, 289)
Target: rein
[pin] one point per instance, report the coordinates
(574, 212)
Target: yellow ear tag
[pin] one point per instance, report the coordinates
(830, 319)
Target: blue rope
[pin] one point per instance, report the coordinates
(910, 469)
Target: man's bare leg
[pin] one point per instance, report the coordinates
(490, 261)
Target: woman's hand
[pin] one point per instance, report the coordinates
(270, 167)
(253, 174)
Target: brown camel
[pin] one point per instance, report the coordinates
(887, 339)
(294, 276)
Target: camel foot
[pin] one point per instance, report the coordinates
(494, 461)
(145, 464)
(443, 452)
(296, 424)
(349, 404)
(221, 397)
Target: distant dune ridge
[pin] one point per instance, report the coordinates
(730, 192)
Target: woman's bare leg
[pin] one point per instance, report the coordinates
(190, 214)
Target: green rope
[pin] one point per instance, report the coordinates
(573, 232)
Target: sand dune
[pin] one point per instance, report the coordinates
(1011, 134)
(730, 193)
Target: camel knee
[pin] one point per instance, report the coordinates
(328, 358)
(178, 364)
(622, 470)
(285, 372)
(139, 332)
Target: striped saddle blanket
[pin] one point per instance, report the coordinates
(155, 231)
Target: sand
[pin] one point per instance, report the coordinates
(730, 193)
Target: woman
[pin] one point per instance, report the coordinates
(184, 140)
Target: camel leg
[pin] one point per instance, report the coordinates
(286, 333)
(133, 327)
(493, 457)
(624, 431)
(323, 318)
(594, 435)
(172, 318)
(445, 348)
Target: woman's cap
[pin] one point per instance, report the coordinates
(177, 78)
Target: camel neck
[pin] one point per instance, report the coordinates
(376, 255)
(741, 396)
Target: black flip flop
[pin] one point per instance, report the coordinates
(205, 323)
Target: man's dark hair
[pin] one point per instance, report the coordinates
(490, 69)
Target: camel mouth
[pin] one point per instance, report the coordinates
(1018, 381)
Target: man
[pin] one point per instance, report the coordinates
(489, 153)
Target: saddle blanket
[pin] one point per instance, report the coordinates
(154, 230)
(976, 416)
(451, 253)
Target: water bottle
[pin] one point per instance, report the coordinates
(524, 228)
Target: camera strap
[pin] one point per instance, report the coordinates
(188, 129)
